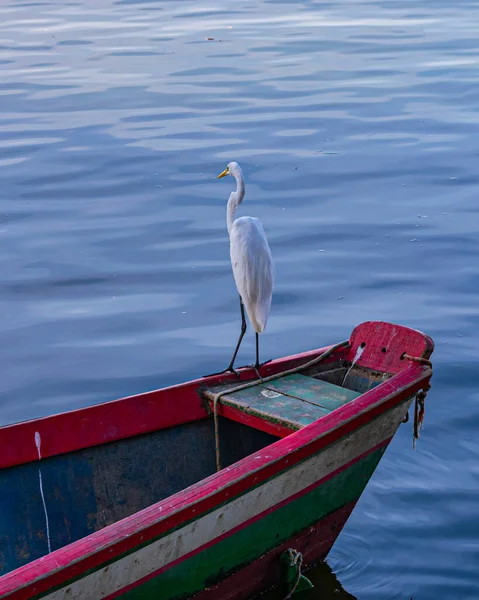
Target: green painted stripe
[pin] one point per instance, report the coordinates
(212, 565)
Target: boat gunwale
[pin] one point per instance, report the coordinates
(144, 412)
(139, 414)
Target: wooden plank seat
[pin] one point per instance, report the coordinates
(290, 402)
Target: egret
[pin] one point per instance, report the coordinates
(252, 263)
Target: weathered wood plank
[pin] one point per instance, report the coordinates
(273, 406)
(313, 390)
(293, 401)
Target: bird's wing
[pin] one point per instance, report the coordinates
(253, 268)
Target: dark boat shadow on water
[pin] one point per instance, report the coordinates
(326, 587)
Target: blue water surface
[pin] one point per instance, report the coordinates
(356, 124)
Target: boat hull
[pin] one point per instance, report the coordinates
(305, 505)
(314, 543)
(222, 536)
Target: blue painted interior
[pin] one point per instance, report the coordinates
(92, 488)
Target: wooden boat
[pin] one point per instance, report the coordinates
(123, 499)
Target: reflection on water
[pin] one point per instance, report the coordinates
(356, 126)
(326, 586)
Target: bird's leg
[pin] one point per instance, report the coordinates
(240, 339)
(230, 368)
(257, 364)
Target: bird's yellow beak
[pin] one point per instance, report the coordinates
(224, 173)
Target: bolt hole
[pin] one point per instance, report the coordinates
(383, 350)
(363, 344)
(402, 356)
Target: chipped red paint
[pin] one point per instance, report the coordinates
(385, 344)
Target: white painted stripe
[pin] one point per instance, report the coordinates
(38, 443)
(158, 554)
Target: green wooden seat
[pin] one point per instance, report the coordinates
(292, 401)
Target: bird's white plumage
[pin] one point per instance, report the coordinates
(253, 269)
(251, 259)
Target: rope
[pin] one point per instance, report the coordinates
(419, 410)
(297, 559)
(419, 359)
(255, 382)
(419, 413)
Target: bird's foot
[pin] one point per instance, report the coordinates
(229, 369)
(257, 367)
(256, 370)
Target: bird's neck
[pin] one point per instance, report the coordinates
(235, 200)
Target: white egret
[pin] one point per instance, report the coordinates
(252, 263)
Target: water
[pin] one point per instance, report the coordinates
(356, 124)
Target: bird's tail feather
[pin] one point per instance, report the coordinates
(258, 315)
